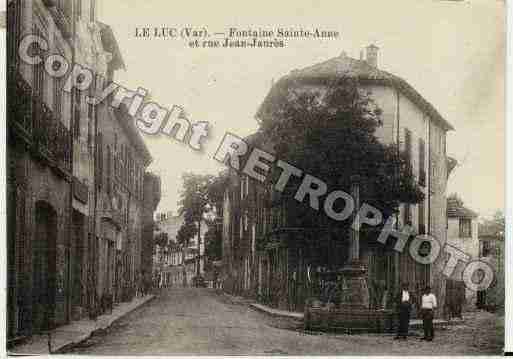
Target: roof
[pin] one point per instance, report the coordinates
(345, 66)
(110, 44)
(455, 209)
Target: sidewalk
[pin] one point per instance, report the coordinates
(76, 332)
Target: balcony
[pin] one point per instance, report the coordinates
(33, 122)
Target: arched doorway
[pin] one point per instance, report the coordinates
(44, 267)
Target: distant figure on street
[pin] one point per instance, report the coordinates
(404, 302)
(428, 307)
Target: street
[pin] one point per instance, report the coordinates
(202, 321)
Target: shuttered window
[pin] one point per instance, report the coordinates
(99, 160)
(422, 216)
(76, 120)
(407, 145)
(109, 170)
(422, 162)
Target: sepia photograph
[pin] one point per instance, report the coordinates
(255, 179)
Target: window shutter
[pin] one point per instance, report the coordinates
(99, 160)
(422, 162)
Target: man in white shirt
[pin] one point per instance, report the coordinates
(404, 302)
(428, 307)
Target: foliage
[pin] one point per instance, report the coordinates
(161, 239)
(185, 233)
(331, 136)
(193, 205)
(201, 200)
(213, 241)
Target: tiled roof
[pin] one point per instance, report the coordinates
(455, 209)
(345, 66)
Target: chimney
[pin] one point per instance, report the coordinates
(372, 55)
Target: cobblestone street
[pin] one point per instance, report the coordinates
(201, 321)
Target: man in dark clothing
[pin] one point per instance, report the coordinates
(404, 303)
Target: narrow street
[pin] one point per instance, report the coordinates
(201, 321)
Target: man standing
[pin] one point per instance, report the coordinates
(428, 307)
(404, 302)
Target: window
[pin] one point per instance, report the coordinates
(91, 120)
(39, 80)
(407, 214)
(66, 7)
(465, 227)
(407, 145)
(78, 8)
(76, 119)
(57, 97)
(92, 13)
(108, 168)
(422, 162)
(13, 29)
(99, 159)
(422, 217)
(485, 250)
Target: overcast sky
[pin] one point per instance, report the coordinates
(452, 52)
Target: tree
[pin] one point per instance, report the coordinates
(213, 241)
(332, 136)
(193, 205)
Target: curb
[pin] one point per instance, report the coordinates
(276, 313)
(81, 336)
(66, 347)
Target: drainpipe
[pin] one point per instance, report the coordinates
(72, 123)
(93, 249)
(396, 254)
(429, 189)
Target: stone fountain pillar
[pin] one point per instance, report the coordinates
(355, 292)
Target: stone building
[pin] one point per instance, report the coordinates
(266, 257)
(462, 233)
(151, 199)
(75, 172)
(492, 250)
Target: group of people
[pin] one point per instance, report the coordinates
(428, 304)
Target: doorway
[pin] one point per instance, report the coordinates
(44, 268)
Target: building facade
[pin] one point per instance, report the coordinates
(74, 192)
(462, 233)
(492, 250)
(266, 254)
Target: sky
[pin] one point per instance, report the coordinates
(452, 52)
